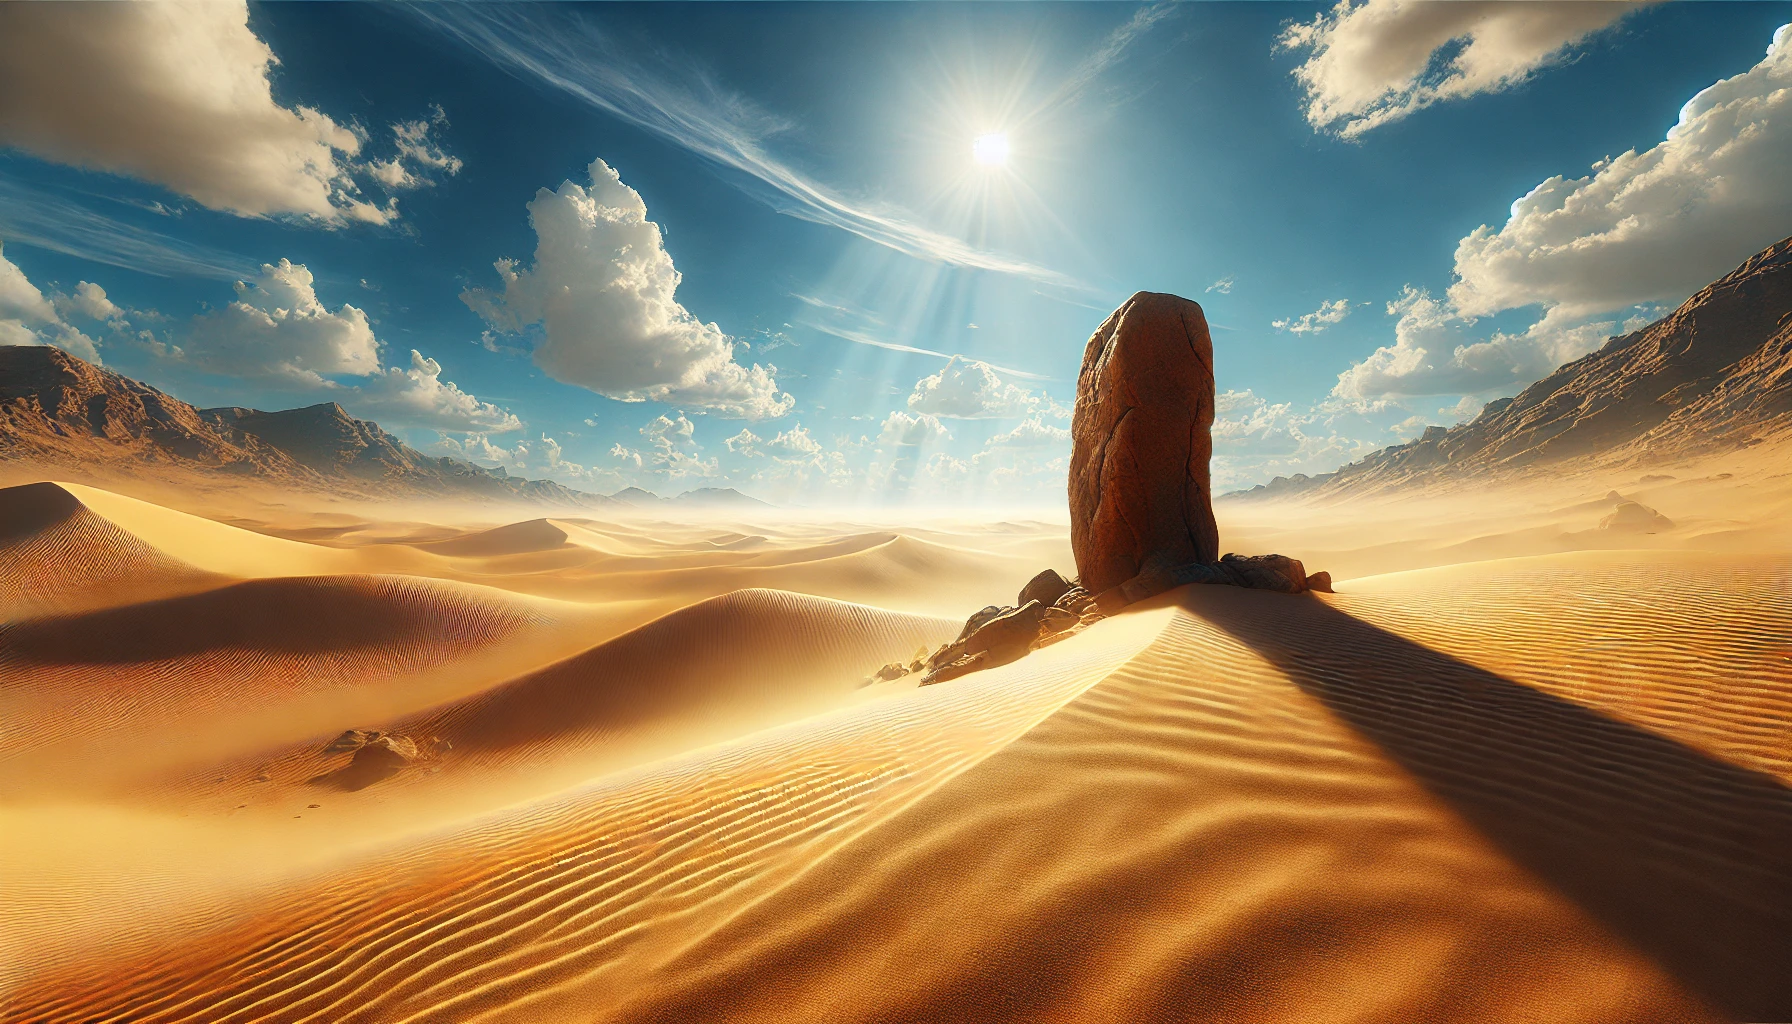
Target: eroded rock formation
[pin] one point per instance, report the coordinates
(1141, 442)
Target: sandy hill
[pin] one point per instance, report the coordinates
(1714, 375)
(59, 410)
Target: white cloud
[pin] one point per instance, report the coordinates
(278, 329)
(420, 396)
(28, 318)
(1377, 61)
(1326, 315)
(1467, 408)
(90, 301)
(1655, 225)
(1255, 439)
(745, 444)
(910, 429)
(970, 389)
(1031, 433)
(418, 154)
(603, 289)
(795, 443)
(1434, 354)
(176, 94)
(672, 449)
(279, 333)
(1223, 285)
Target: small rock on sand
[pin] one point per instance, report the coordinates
(1634, 517)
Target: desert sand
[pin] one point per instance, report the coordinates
(1518, 768)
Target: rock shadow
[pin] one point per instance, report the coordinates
(1685, 856)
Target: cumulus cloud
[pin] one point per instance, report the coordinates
(178, 94)
(536, 457)
(912, 430)
(745, 443)
(671, 449)
(1326, 315)
(1434, 352)
(90, 301)
(277, 328)
(970, 389)
(1369, 63)
(1654, 225)
(1032, 432)
(1254, 439)
(420, 396)
(278, 332)
(28, 318)
(795, 443)
(603, 290)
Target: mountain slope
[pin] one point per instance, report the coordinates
(56, 409)
(1716, 374)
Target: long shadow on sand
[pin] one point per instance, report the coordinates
(1685, 856)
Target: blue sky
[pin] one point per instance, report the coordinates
(752, 248)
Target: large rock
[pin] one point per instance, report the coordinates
(1140, 443)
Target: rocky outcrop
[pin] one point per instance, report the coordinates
(1140, 442)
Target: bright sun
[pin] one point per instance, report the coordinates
(990, 150)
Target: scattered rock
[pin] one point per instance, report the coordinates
(952, 670)
(374, 761)
(1076, 600)
(353, 739)
(1634, 517)
(1321, 582)
(1045, 588)
(1140, 443)
(999, 639)
(978, 618)
(894, 670)
(1057, 620)
(1267, 572)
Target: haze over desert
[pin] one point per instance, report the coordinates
(1093, 514)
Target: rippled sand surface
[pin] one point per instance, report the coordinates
(650, 785)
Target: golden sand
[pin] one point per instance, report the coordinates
(1516, 769)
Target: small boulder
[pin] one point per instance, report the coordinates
(1057, 620)
(1634, 517)
(375, 761)
(1007, 634)
(894, 670)
(1320, 582)
(352, 739)
(978, 618)
(1267, 572)
(1045, 588)
(954, 669)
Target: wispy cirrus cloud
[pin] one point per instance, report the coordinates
(43, 219)
(685, 106)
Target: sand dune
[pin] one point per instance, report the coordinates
(56, 553)
(1521, 778)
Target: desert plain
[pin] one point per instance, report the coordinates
(1517, 767)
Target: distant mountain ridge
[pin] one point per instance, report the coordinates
(58, 409)
(1715, 375)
